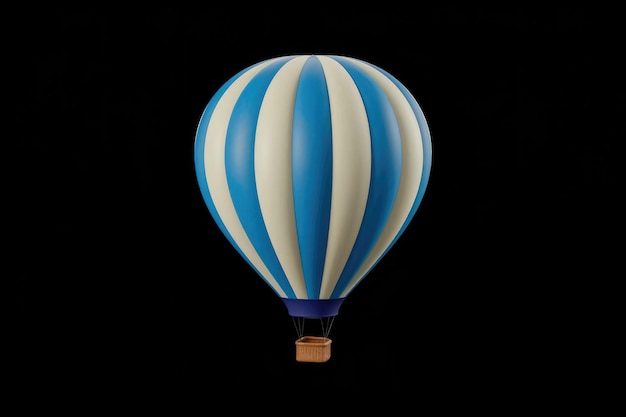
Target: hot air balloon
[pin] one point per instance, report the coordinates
(312, 166)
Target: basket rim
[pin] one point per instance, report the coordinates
(313, 341)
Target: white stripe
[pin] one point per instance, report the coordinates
(215, 171)
(272, 168)
(352, 161)
(411, 174)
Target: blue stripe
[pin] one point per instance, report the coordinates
(426, 149)
(199, 150)
(239, 160)
(312, 171)
(385, 173)
(200, 142)
(427, 158)
(199, 146)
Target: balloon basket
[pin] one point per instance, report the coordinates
(313, 349)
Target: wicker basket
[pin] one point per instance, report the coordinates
(313, 349)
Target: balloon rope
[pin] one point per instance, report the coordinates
(298, 323)
(329, 324)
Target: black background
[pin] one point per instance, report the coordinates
(125, 288)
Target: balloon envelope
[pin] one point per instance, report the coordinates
(312, 166)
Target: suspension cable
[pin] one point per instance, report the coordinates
(298, 323)
(325, 322)
(326, 327)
